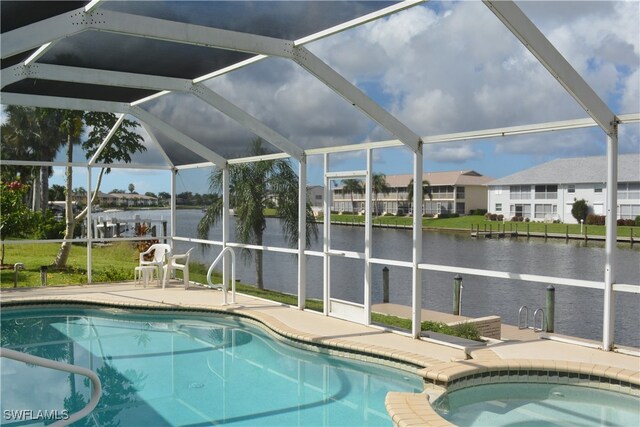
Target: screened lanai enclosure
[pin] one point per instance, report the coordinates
(312, 80)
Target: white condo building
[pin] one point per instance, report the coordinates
(547, 192)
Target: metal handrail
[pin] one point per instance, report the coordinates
(526, 318)
(59, 366)
(233, 275)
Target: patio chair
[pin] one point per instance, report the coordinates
(172, 265)
(160, 252)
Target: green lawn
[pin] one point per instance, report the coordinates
(466, 222)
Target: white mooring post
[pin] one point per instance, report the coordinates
(611, 239)
(416, 276)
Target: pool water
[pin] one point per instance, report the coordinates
(187, 370)
(532, 404)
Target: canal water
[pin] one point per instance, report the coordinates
(578, 310)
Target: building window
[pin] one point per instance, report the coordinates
(597, 188)
(546, 192)
(571, 188)
(629, 190)
(546, 211)
(460, 208)
(459, 192)
(520, 210)
(629, 211)
(520, 192)
(498, 207)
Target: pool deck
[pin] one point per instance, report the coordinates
(436, 361)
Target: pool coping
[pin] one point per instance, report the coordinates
(415, 409)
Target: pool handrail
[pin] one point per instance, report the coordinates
(233, 275)
(60, 366)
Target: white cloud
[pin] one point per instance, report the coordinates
(441, 68)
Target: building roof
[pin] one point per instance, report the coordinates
(468, 177)
(575, 170)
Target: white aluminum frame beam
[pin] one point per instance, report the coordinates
(416, 273)
(546, 53)
(248, 121)
(144, 81)
(611, 240)
(180, 32)
(178, 136)
(355, 96)
(106, 140)
(11, 98)
(302, 233)
(35, 35)
(65, 73)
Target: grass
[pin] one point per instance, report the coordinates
(466, 222)
(110, 263)
(463, 330)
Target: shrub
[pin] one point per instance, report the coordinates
(463, 330)
(637, 221)
(593, 219)
(579, 210)
(487, 216)
(527, 219)
(493, 217)
(477, 212)
(448, 215)
(500, 217)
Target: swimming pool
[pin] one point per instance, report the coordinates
(531, 404)
(186, 369)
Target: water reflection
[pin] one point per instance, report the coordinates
(188, 371)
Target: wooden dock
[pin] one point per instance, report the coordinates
(501, 232)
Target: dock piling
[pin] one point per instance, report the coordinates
(385, 284)
(457, 294)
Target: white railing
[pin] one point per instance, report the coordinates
(96, 392)
(233, 275)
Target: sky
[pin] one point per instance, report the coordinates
(441, 67)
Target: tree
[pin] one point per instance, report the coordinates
(251, 185)
(164, 195)
(352, 186)
(580, 210)
(426, 189)
(124, 142)
(132, 188)
(33, 134)
(56, 192)
(379, 186)
(150, 194)
(16, 219)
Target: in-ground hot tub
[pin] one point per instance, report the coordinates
(540, 397)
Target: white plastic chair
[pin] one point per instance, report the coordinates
(173, 264)
(160, 252)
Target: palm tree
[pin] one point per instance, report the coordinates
(426, 189)
(32, 134)
(252, 185)
(352, 186)
(379, 186)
